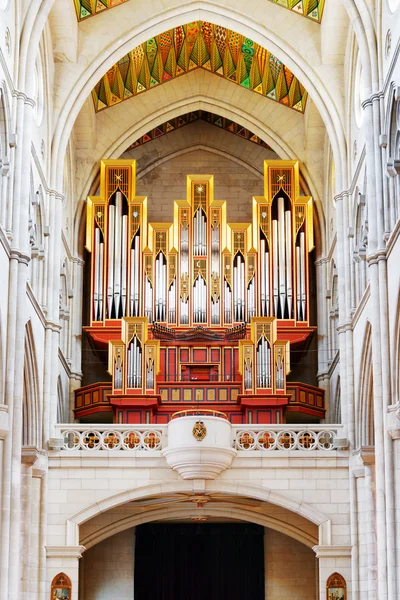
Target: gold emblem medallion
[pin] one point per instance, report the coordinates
(199, 431)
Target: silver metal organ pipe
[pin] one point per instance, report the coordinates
(96, 273)
(204, 235)
(303, 275)
(281, 249)
(101, 280)
(117, 243)
(110, 274)
(262, 277)
(258, 356)
(268, 365)
(298, 283)
(132, 291)
(242, 266)
(149, 301)
(129, 368)
(124, 263)
(267, 284)
(139, 367)
(137, 271)
(263, 357)
(164, 289)
(275, 265)
(171, 303)
(228, 303)
(288, 250)
(235, 287)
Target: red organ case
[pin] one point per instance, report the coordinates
(199, 313)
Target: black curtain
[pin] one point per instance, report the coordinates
(199, 562)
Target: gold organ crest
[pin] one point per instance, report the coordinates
(199, 431)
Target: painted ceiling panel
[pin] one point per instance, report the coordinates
(312, 9)
(88, 8)
(308, 8)
(199, 45)
(198, 115)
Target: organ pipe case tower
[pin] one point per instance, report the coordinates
(199, 312)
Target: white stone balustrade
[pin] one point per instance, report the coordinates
(271, 438)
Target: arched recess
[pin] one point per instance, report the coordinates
(337, 408)
(185, 513)
(1, 362)
(31, 411)
(396, 357)
(365, 433)
(80, 90)
(393, 158)
(60, 402)
(217, 105)
(5, 123)
(317, 524)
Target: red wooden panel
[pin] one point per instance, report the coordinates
(228, 363)
(162, 419)
(236, 418)
(184, 355)
(163, 360)
(171, 364)
(215, 355)
(199, 354)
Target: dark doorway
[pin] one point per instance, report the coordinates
(199, 562)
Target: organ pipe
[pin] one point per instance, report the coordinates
(281, 256)
(275, 262)
(207, 295)
(110, 288)
(288, 257)
(134, 285)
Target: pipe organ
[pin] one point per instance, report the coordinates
(199, 310)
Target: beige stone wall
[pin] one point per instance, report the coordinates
(289, 568)
(167, 183)
(108, 568)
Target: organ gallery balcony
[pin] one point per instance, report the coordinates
(96, 403)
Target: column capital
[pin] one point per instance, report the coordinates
(65, 551)
(332, 551)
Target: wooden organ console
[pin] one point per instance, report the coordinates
(199, 313)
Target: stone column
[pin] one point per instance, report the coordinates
(333, 559)
(63, 559)
(10, 574)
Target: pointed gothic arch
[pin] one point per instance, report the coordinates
(365, 433)
(31, 411)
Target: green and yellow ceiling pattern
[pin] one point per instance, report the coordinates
(199, 45)
(87, 8)
(308, 8)
(199, 115)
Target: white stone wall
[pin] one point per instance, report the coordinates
(108, 569)
(290, 568)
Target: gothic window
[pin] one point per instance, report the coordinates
(360, 243)
(36, 240)
(61, 587)
(393, 164)
(333, 314)
(31, 429)
(336, 587)
(366, 394)
(64, 308)
(4, 160)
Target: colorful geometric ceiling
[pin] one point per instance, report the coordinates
(308, 8)
(199, 115)
(88, 8)
(199, 45)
